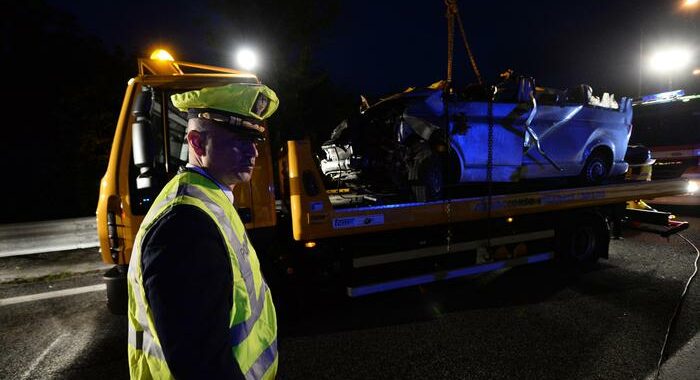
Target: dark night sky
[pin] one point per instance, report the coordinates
(382, 47)
(373, 48)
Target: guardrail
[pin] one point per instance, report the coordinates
(49, 236)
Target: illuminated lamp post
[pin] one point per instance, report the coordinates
(670, 61)
(246, 59)
(688, 6)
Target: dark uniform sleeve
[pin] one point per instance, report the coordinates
(188, 283)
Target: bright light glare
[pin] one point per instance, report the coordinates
(246, 59)
(162, 55)
(671, 60)
(693, 187)
(690, 3)
(696, 72)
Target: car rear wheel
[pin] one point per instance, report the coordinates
(596, 169)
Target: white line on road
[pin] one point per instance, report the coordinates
(47, 248)
(54, 294)
(41, 357)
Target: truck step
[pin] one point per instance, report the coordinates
(363, 290)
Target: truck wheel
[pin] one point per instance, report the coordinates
(425, 174)
(117, 294)
(582, 239)
(596, 169)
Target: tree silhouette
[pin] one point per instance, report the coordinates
(64, 90)
(62, 96)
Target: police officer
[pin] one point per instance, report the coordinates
(199, 307)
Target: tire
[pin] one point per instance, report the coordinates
(117, 294)
(596, 169)
(582, 239)
(425, 173)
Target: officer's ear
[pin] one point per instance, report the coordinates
(197, 141)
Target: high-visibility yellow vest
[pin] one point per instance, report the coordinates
(253, 319)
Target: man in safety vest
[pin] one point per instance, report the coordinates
(199, 307)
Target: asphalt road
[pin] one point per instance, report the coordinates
(527, 323)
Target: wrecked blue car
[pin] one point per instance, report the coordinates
(423, 140)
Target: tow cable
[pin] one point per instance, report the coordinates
(452, 15)
(676, 311)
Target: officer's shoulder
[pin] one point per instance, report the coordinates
(184, 220)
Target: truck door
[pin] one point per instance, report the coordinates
(162, 129)
(160, 149)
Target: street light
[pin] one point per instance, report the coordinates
(670, 60)
(247, 59)
(667, 61)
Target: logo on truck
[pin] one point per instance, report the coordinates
(358, 221)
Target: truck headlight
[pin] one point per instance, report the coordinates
(693, 186)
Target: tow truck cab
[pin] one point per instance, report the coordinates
(149, 148)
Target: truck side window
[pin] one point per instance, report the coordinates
(177, 127)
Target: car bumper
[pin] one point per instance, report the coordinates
(618, 168)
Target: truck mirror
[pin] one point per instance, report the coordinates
(142, 139)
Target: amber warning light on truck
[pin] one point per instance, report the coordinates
(162, 55)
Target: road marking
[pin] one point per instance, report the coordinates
(47, 248)
(54, 294)
(41, 357)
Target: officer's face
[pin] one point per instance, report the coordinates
(231, 157)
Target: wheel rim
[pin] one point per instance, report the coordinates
(596, 171)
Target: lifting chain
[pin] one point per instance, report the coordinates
(489, 174)
(452, 14)
(451, 5)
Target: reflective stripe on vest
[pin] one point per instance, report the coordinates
(142, 340)
(241, 331)
(184, 189)
(266, 359)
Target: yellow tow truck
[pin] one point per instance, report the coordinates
(298, 226)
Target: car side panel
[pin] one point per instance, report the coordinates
(568, 134)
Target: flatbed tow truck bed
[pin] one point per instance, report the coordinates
(397, 245)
